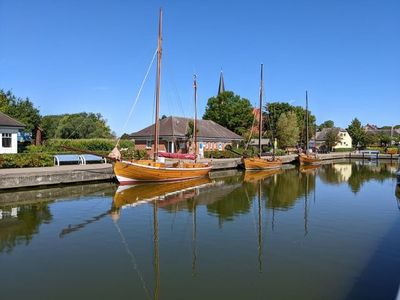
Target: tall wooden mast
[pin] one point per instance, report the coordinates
(260, 112)
(306, 120)
(159, 53)
(195, 117)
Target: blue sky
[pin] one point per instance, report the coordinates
(91, 55)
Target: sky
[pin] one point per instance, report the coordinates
(71, 56)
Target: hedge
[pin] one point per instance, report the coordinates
(57, 145)
(43, 156)
(342, 149)
(26, 160)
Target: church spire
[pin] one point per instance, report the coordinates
(221, 87)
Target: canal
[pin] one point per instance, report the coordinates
(327, 232)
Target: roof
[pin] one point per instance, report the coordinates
(178, 127)
(321, 135)
(7, 121)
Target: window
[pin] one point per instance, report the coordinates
(6, 140)
(148, 144)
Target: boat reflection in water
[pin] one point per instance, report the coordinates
(309, 168)
(168, 193)
(251, 176)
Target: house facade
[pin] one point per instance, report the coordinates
(9, 128)
(173, 136)
(344, 139)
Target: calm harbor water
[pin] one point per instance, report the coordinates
(331, 232)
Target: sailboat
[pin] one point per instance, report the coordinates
(258, 163)
(128, 172)
(308, 158)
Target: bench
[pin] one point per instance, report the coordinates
(67, 159)
(92, 159)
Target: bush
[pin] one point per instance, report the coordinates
(58, 145)
(280, 152)
(26, 160)
(343, 150)
(219, 154)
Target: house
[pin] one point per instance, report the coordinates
(173, 136)
(385, 130)
(9, 128)
(319, 140)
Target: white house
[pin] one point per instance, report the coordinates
(345, 140)
(8, 134)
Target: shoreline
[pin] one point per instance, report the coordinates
(72, 174)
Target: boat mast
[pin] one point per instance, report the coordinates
(195, 117)
(306, 121)
(260, 241)
(260, 112)
(159, 52)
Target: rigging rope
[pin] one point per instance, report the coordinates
(251, 131)
(137, 96)
(133, 260)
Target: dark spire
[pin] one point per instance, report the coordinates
(221, 87)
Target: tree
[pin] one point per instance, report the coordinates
(385, 140)
(276, 109)
(357, 133)
(20, 109)
(76, 126)
(371, 139)
(125, 136)
(230, 111)
(287, 130)
(332, 138)
(326, 124)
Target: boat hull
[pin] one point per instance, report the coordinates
(255, 163)
(309, 160)
(132, 172)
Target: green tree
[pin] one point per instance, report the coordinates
(230, 111)
(357, 133)
(332, 138)
(276, 109)
(384, 139)
(371, 139)
(287, 129)
(326, 124)
(20, 109)
(76, 126)
(49, 125)
(125, 136)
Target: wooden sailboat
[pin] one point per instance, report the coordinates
(128, 172)
(259, 163)
(308, 158)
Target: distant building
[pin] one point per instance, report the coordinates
(386, 130)
(174, 139)
(9, 128)
(319, 140)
